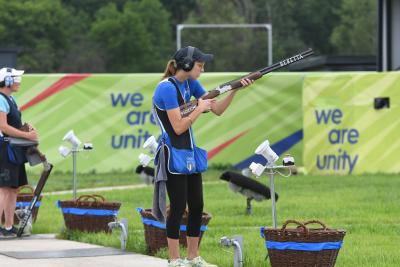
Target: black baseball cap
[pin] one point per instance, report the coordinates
(198, 55)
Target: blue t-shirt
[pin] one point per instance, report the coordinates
(165, 96)
(4, 106)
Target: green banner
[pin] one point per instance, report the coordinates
(345, 131)
(113, 112)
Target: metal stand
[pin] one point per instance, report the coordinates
(237, 243)
(74, 181)
(273, 201)
(123, 225)
(271, 172)
(248, 208)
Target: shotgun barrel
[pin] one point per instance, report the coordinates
(188, 108)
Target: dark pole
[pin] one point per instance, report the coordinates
(379, 66)
(389, 24)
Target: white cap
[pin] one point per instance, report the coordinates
(257, 169)
(9, 72)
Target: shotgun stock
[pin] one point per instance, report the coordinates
(188, 108)
(47, 167)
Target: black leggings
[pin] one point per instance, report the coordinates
(184, 189)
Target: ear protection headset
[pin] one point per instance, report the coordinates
(8, 79)
(187, 63)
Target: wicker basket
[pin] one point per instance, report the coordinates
(156, 235)
(23, 201)
(90, 213)
(303, 246)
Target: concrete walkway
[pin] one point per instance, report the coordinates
(47, 251)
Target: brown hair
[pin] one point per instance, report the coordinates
(170, 69)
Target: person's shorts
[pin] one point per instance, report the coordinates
(11, 175)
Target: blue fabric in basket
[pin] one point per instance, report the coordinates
(97, 212)
(300, 246)
(157, 224)
(303, 246)
(26, 204)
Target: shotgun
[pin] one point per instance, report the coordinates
(188, 108)
(47, 167)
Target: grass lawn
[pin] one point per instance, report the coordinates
(367, 207)
(59, 181)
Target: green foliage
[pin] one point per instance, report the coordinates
(90, 7)
(315, 20)
(356, 34)
(234, 49)
(135, 39)
(179, 10)
(298, 25)
(38, 29)
(83, 54)
(139, 35)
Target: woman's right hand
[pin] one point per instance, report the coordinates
(31, 135)
(205, 104)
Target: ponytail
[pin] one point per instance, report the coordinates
(170, 70)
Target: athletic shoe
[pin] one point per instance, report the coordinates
(177, 263)
(14, 229)
(8, 233)
(199, 262)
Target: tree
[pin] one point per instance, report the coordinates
(234, 49)
(82, 54)
(179, 10)
(90, 7)
(135, 39)
(156, 21)
(138, 35)
(356, 34)
(38, 29)
(298, 25)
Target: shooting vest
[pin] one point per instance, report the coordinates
(12, 170)
(184, 157)
(182, 141)
(14, 116)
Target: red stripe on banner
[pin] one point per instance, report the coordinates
(56, 87)
(213, 152)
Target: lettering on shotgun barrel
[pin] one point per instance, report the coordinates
(290, 60)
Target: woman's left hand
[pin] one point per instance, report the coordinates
(31, 128)
(246, 82)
